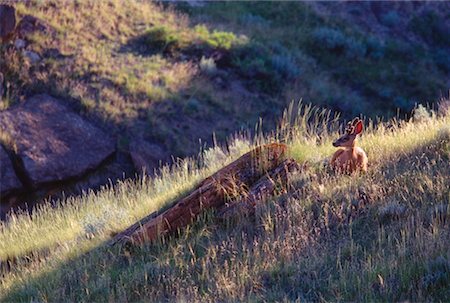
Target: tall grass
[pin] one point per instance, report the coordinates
(378, 236)
(107, 211)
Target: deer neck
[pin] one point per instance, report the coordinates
(351, 149)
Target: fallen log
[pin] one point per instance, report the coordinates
(264, 187)
(227, 183)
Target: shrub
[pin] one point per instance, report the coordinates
(217, 39)
(328, 38)
(442, 59)
(375, 48)
(164, 39)
(355, 48)
(192, 106)
(335, 40)
(94, 225)
(421, 114)
(390, 18)
(170, 40)
(208, 66)
(201, 31)
(251, 60)
(265, 69)
(277, 48)
(222, 40)
(285, 66)
(253, 20)
(431, 28)
(400, 49)
(385, 93)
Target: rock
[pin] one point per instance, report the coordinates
(30, 24)
(146, 156)
(52, 142)
(7, 21)
(9, 181)
(19, 43)
(32, 56)
(1, 86)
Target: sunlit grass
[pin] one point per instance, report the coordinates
(106, 49)
(55, 242)
(110, 210)
(381, 236)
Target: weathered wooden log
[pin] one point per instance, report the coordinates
(227, 183)
(261, 189)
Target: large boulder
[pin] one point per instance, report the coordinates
(52, 143)
(7, 21)
(9, 181)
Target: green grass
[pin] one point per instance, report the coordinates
(380, 236)
(130, 72)
(111, 208)
(333, 52)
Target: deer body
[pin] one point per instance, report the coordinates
(350, 158)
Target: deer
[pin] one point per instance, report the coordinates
(350, 158)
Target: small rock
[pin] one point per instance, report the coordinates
(7, 21)
(8, 179)
(32, 56)
(19, 43)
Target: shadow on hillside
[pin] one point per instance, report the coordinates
(105, 271)
(176, 124)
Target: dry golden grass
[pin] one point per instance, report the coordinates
(381, 236)
(378, 236)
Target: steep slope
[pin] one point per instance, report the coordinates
(169, 79)
(176, 74)
(378, 236)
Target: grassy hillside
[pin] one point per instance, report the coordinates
(174, 73)
(381, 236)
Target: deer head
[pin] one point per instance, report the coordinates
(353, 129)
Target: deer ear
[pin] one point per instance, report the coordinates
(358, 128)
(355, 121)
(349, 128)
